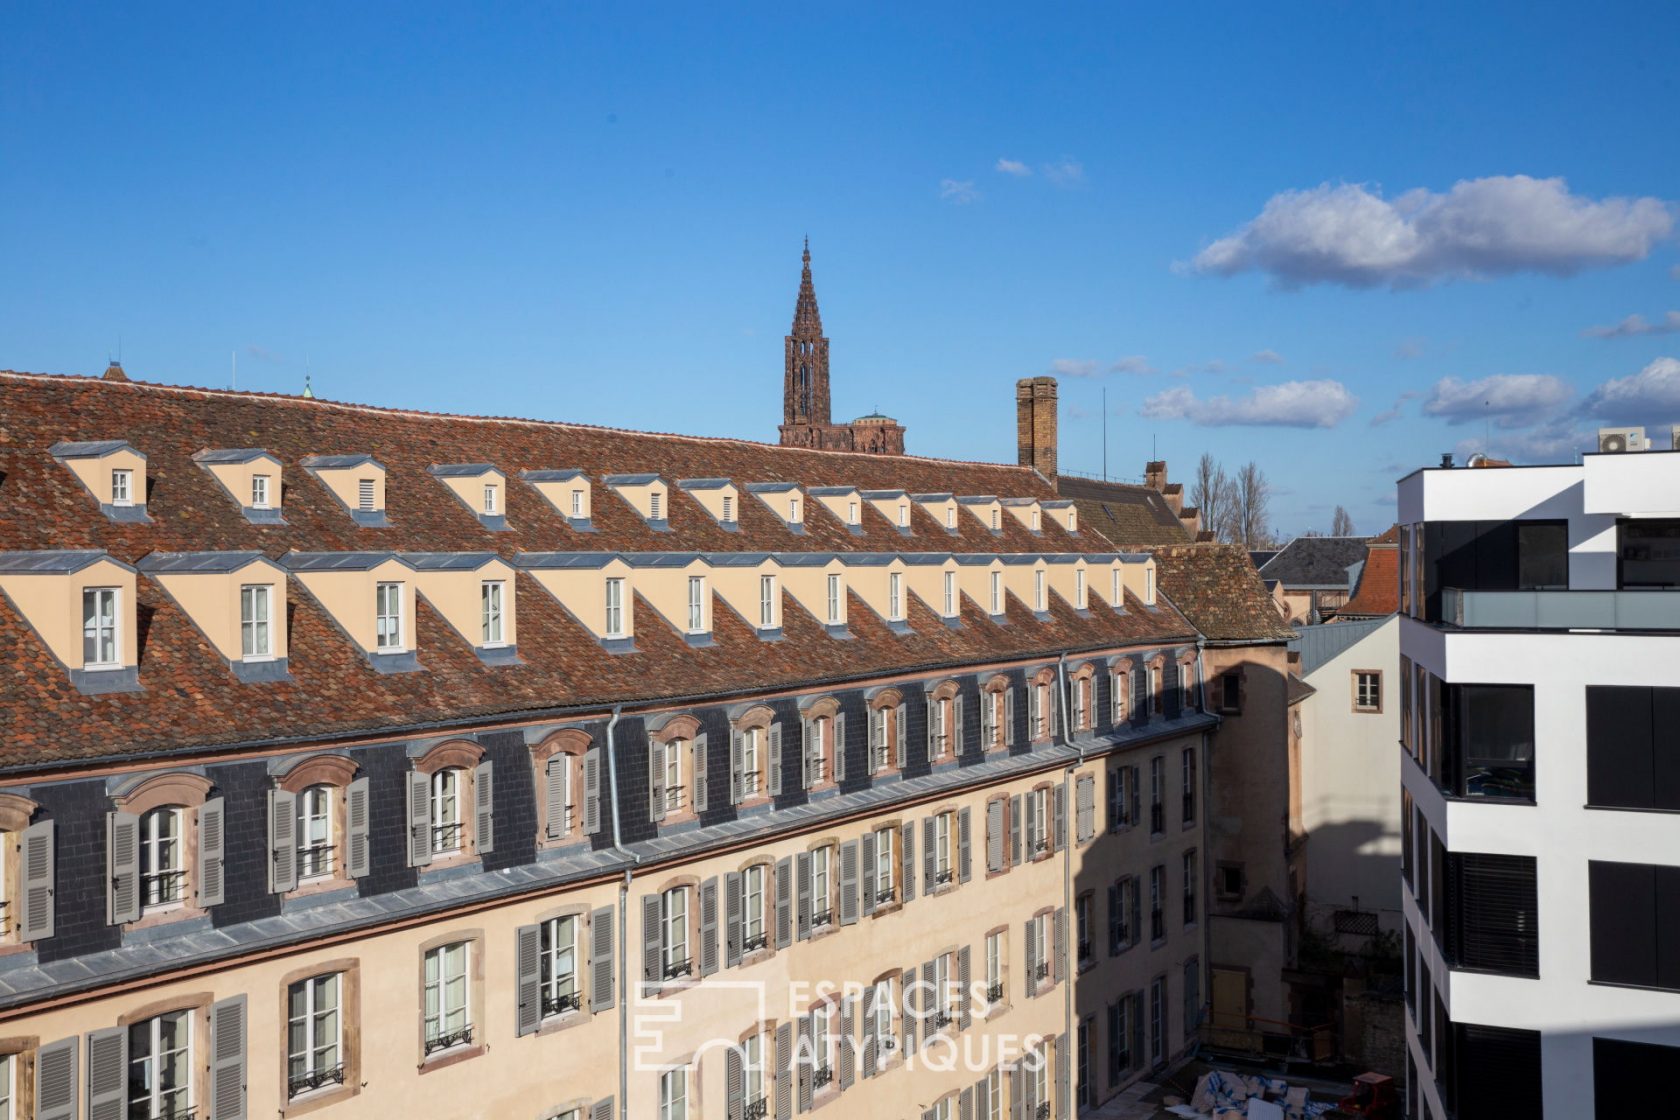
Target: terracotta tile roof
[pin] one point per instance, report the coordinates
(190, 699)
(1129, 515)
(1217, 589)
(1378, 590)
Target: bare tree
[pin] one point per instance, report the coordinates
(1213, 494)
(1341, 525)
(1251, 507)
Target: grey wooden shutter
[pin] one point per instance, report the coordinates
(870, 998)
(652, 940)
(1085, 795)
(282, 841)
(212, 852)
(1058, 966)
(805, 1057)
(55, 1080)
(784, 902)
(994, 835)
(1009, 715)
(802, 896)
(965, 1104)
(732, 919)
(592, 790)
(484, 807)
(983, 1098)
(930, 714)
(357, 819)
(1134, 794)
(907, 874)
(930, 853)
(656, 781)
(227, 1059)
(1015, 831)
(122, 843)
(1138, 1045)
(554, 795)
(1114, 799)
(784, 1071)
(840, 747)
(708, 926)
(902, 745)
(601, 994)
(848, 1007)
(1064, 1078)
(735, 765)
(528, 975)
(699, 768)
(959, 740)
(37, 920)
(1032, 948)
(1114, 1041)
(965, 821)
(734, 1084)
(1032, 821)
(107, 1075)
(602, 1109)
(906, 986)
(849, 883)
(929, 1114)
(1058, 826)
(807, 763)
(775, 759)
(419, 819)
(869, 887)
(963, 1000)
(1018, 1094)
(1113, 919)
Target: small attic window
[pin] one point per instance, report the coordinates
(122, 487)
(259, 491)
(903, 515)
(1149, 587)
(577, 503)
(1079, 588)
(490, 498)
(950, 517)
(100, 645)
(793, 509)
(1073, 521)
(995, 525)
(852, 513)
(653, 507)
(364, 494)
(1036, 520)
(728, 508)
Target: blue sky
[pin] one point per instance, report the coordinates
(594, 213)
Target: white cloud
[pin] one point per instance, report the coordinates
(1065, 172)
(1502, 224)
(1511, 400)
(1555, 441)
(1074, 367)
(1132, 363)
(1291, 404)
(1267, 357)
(1012, 167)
(1637, 324)
(1651, 394)
(958, 191)
(1394, 413)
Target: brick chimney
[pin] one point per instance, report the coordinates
(1155, 474)
(1035, 424)
(114, 372)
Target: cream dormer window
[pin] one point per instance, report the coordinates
(716, 495)
(941, 507)
(1063, 513)
(985, 509)
(894, 505)
(1026, 511)
(356, 481)
(388, 617)
(843, 502)
(237, 600)
(81, 606)
(478, 486)
(100, 648)
(250, 477)
(112, 471)
(644, 493)
(566, 491)
(371, 597)
(473, 591)
(784, 499)
(595, 589)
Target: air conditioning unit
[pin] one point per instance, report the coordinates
(1621, 439)
(1675, 436)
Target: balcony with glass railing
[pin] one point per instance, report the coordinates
(1646, 609)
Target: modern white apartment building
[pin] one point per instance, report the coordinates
(1540, 650)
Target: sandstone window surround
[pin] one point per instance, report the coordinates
(1082, 683)
(319, 821)
(888, 731)
(27, 874)
(555, 973)
(945, 723)
(997, 708)
(165, 849)
(559, 763)
(823, 739)
(450, 804)
(320, 1049)
(451, 999)
(756, 757)
(678, 769)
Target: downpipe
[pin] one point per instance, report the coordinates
(623, 921)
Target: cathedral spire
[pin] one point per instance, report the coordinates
(807, 320)
(805, 375)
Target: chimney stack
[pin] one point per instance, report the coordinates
(114, 372)
(1035, 424)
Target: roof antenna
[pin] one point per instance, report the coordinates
(1105, 433)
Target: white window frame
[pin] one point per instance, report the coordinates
(834, 598)
(388, 617)
(1149, 587)
(904, 515)
(577, 504)
(822, 888)
(122, 487)
(447, 789)
(793, 510)
(766, 602)
(885, 1041)
(1116, 597)
(1039, 838)
(753, 1081)
(144, 1088)
(886, 865)
(895, 597)
(1079, 588)
(614, 597)
(950, 517)
(1037, 522)
(558, 969)
(492, 598)
(994, 1082)
(944, 865)
(103, 628)
(673, 930)
(259, 491)
(441, 1007)
(997, 592)
(675, 752)
(490, 502)
(255, 621)
(323, 1034)
(696, 604)
(950, 594)
(1081, 698)
(313, 833)
(163, 858)
(995, 954)
(1038, 590)
(752, 755)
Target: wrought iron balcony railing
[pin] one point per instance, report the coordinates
(450, 1038)
(308, 1081)
(677, 969)
(560, 1002)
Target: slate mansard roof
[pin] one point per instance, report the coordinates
(1315, 562)
(189, 700)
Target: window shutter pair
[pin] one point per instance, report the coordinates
(964, 863)
(656, 781)
(592, 790)
(902, 744)
(709, 926)
(122, 838)
(38, 917)
(930, 862)
(907, 870)
(698, 768)
(1015, 830)
(107, 1070)
(775, 737)
(839, 751)
(1085, 797)
(784, 902)
(869, 888)
(554, 794)
(653, 940)
(849, 883)
(802, 894)
(601, 959)
(732, 906)
(994, 836)
(528, 970)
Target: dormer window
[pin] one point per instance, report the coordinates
(122, 488)
(100, 647)
(577, 503)
(388, 617)
(997, 592)
(490, 601)
(365, 495)
(615, 608)
(851, 513)
(766, 602)
(1073, 520)
(259, 491)
(728, 508)
(834, 599)
(895, 596)
(1079, 588)
(490, 499)
(112, 472)
(1038, 591)
(950, 594)
(255, 602)
(696, 604)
